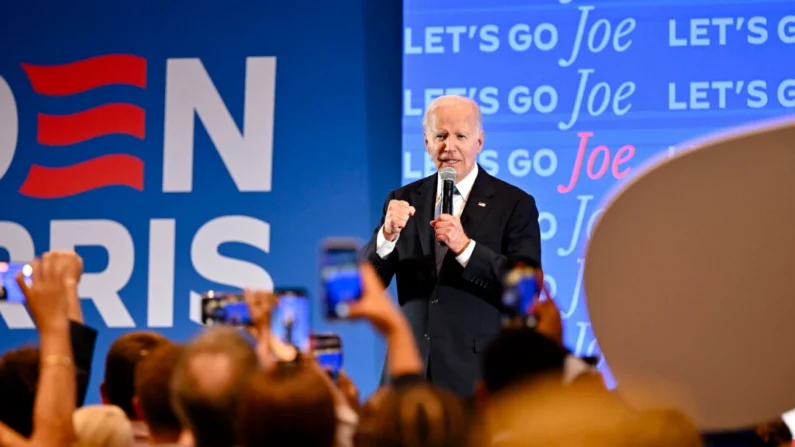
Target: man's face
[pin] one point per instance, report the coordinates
(453, 138)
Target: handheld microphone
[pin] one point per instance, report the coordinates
(448, 179)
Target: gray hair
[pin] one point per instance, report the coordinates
(451, 100)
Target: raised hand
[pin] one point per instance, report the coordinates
(448, 229)
(55, 277)
(375, 304)
(397, 215)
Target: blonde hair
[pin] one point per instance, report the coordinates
(102, 426)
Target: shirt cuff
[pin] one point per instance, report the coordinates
(463, 258)
(382, 246)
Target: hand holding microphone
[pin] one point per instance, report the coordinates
(397, 215)
(447, 226)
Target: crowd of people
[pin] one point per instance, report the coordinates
(221, 389)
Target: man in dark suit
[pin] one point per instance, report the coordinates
(451, 293)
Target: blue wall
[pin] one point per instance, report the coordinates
(335, 150)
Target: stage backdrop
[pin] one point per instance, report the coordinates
(181, 148)
(577, 94)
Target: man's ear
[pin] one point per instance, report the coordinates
(481, 138)
(427, 145)
(103, 394)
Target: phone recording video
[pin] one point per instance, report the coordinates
(225, 309)
(327, 349)
(9, 289)
(339, 274)
(522, 283)
(290, 319)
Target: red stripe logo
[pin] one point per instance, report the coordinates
(65, 130)
(88, 74)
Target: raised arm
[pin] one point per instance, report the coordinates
(380, 251)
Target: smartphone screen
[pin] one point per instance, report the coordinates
(290, 320)
(327, 349)
(227, 309)
(520, 287)
(9, 289)
(341, 281)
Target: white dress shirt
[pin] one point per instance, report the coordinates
(384, 247)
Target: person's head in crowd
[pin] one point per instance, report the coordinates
(19, 377)
(518, 355)
(419, 414)
(453, 128)
(290, 404)
(152, 399)
(208, 382)
(118, 386)
(102, 426)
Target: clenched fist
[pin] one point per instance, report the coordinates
(397, 214)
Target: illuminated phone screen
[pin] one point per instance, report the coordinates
(520, 288)
(341, 281)
(9, 289)
(328, 352)
(290, 320)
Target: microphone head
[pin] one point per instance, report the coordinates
(447, 173)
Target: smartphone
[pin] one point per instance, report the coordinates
(9, 289)
(341, 282)
(290, 320)
(225, 309)
(522, 283)
(327, 349)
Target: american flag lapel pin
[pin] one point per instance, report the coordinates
(481, 204)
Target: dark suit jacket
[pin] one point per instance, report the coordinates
(83, 339)
(455, 314)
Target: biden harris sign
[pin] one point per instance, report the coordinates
(65, 169)
(183, 151)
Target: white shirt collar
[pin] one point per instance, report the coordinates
(464, 186)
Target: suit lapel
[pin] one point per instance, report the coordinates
(423, 200)
(478, 204)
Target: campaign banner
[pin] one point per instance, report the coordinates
(181, 149)
(578, 95)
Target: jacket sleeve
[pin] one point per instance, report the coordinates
(521, 241)
(83, 339)
(385, 267)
